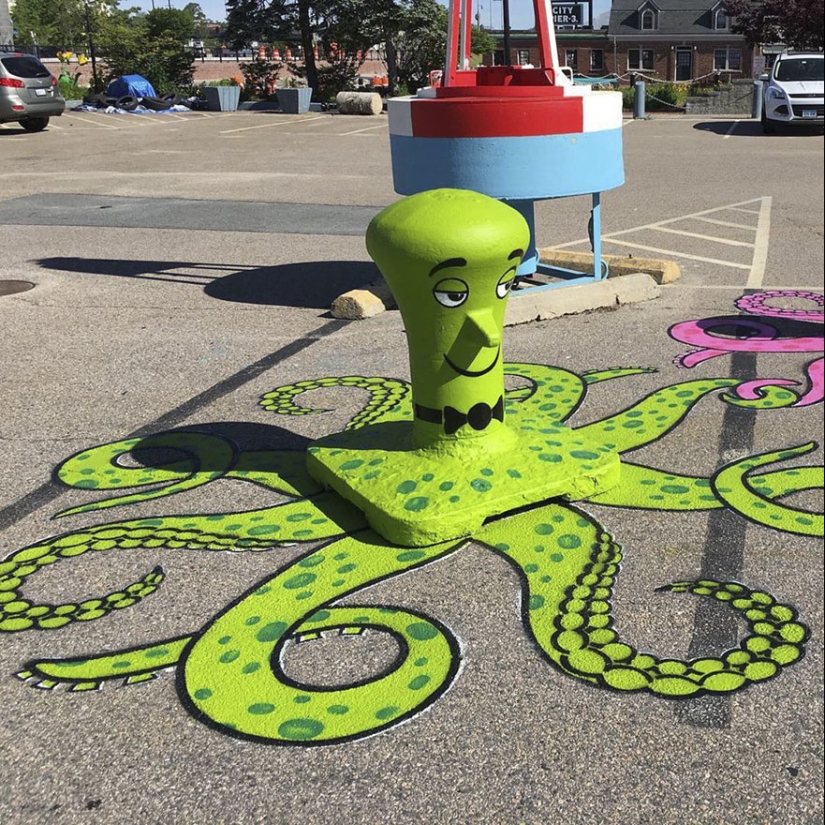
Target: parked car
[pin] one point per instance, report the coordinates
(28, 92)
(793, 91)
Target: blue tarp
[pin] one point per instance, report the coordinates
(130, 84)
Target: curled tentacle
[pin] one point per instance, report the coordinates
(205, 458)
(598, 376)
(647, 488)
(756, 304)
(554, 394)
(569, 565)
(323, 516)
(389, 398)
(652, 417)
(752, 495)
(233, 672)
(132, 665)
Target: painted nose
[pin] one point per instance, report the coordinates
(482, 329)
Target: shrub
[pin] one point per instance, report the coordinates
(260, 77)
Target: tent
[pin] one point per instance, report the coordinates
(130, 84)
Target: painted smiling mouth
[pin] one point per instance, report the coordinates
(473, 373)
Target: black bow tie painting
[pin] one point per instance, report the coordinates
(478, 417)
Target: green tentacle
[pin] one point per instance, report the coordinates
(133, 665)
(598, 376)
(390, 398)
(552, 395)
(647, 488)
(569, 566)
(323, 516)
(206, 457)
(752, 495)
(233, 671)
(652, 417)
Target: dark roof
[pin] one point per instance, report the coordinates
(675, 18)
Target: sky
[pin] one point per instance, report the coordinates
(521, 11)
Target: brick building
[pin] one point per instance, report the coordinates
(676, 40)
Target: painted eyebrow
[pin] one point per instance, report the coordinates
(446, 264)
(516, 253)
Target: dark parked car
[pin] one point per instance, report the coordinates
(28, 92)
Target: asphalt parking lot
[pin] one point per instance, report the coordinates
(181, 268)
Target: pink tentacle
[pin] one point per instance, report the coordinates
(755, 304)
(816, 376)
(688, 360)
(749, 390)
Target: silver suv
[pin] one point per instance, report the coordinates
(28, 92)
(793, 91)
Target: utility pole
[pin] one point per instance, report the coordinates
(95, 83)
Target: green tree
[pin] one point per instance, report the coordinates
(58, 23)
(174, 24)
(151, 45)
(798, 24)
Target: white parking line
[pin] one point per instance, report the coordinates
(760, 253)
(270, 125)
(680, 285)
(94, 122)
(676, 254)
(368, 129)
(712, 238)
(730, 131)
(727, 223)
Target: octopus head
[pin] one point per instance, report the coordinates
(450, 257)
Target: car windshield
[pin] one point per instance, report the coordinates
(24, 66)
(801, 69)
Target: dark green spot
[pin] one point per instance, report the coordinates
(421, 631)
(261, 708)
(270, 632)
(300, 729)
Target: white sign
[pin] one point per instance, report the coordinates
(576, 15)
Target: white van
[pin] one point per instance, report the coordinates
(793, 91)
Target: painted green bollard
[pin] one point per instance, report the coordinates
(451, 459)
(450, 257)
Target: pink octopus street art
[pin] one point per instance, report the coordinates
(759, 336)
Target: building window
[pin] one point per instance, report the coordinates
(597, 60)
(720, 19)
(523, 57)
(648, 20)
(727, 60)
(571, 58)
(640, 60)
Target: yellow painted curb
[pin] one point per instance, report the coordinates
(662, 271)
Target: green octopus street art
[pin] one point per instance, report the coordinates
(230, 672)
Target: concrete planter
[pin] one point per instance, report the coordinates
(294, 101)
(222, 98)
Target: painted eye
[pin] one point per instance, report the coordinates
(451, 292)
(505, 284)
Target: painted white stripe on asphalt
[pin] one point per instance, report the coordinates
(730, 131)
(358, 131)
(270, 125)
(737, 287)
(760, 253)
(94, 122)
(702, 237)
(727, 223)
(675, 254)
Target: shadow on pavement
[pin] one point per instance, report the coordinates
(308, 285)
(751, 128)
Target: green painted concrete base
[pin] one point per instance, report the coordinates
(416, 497)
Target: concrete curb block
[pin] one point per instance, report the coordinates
(524, 305)
(663, 272)
(358, 304)
(542, 304)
